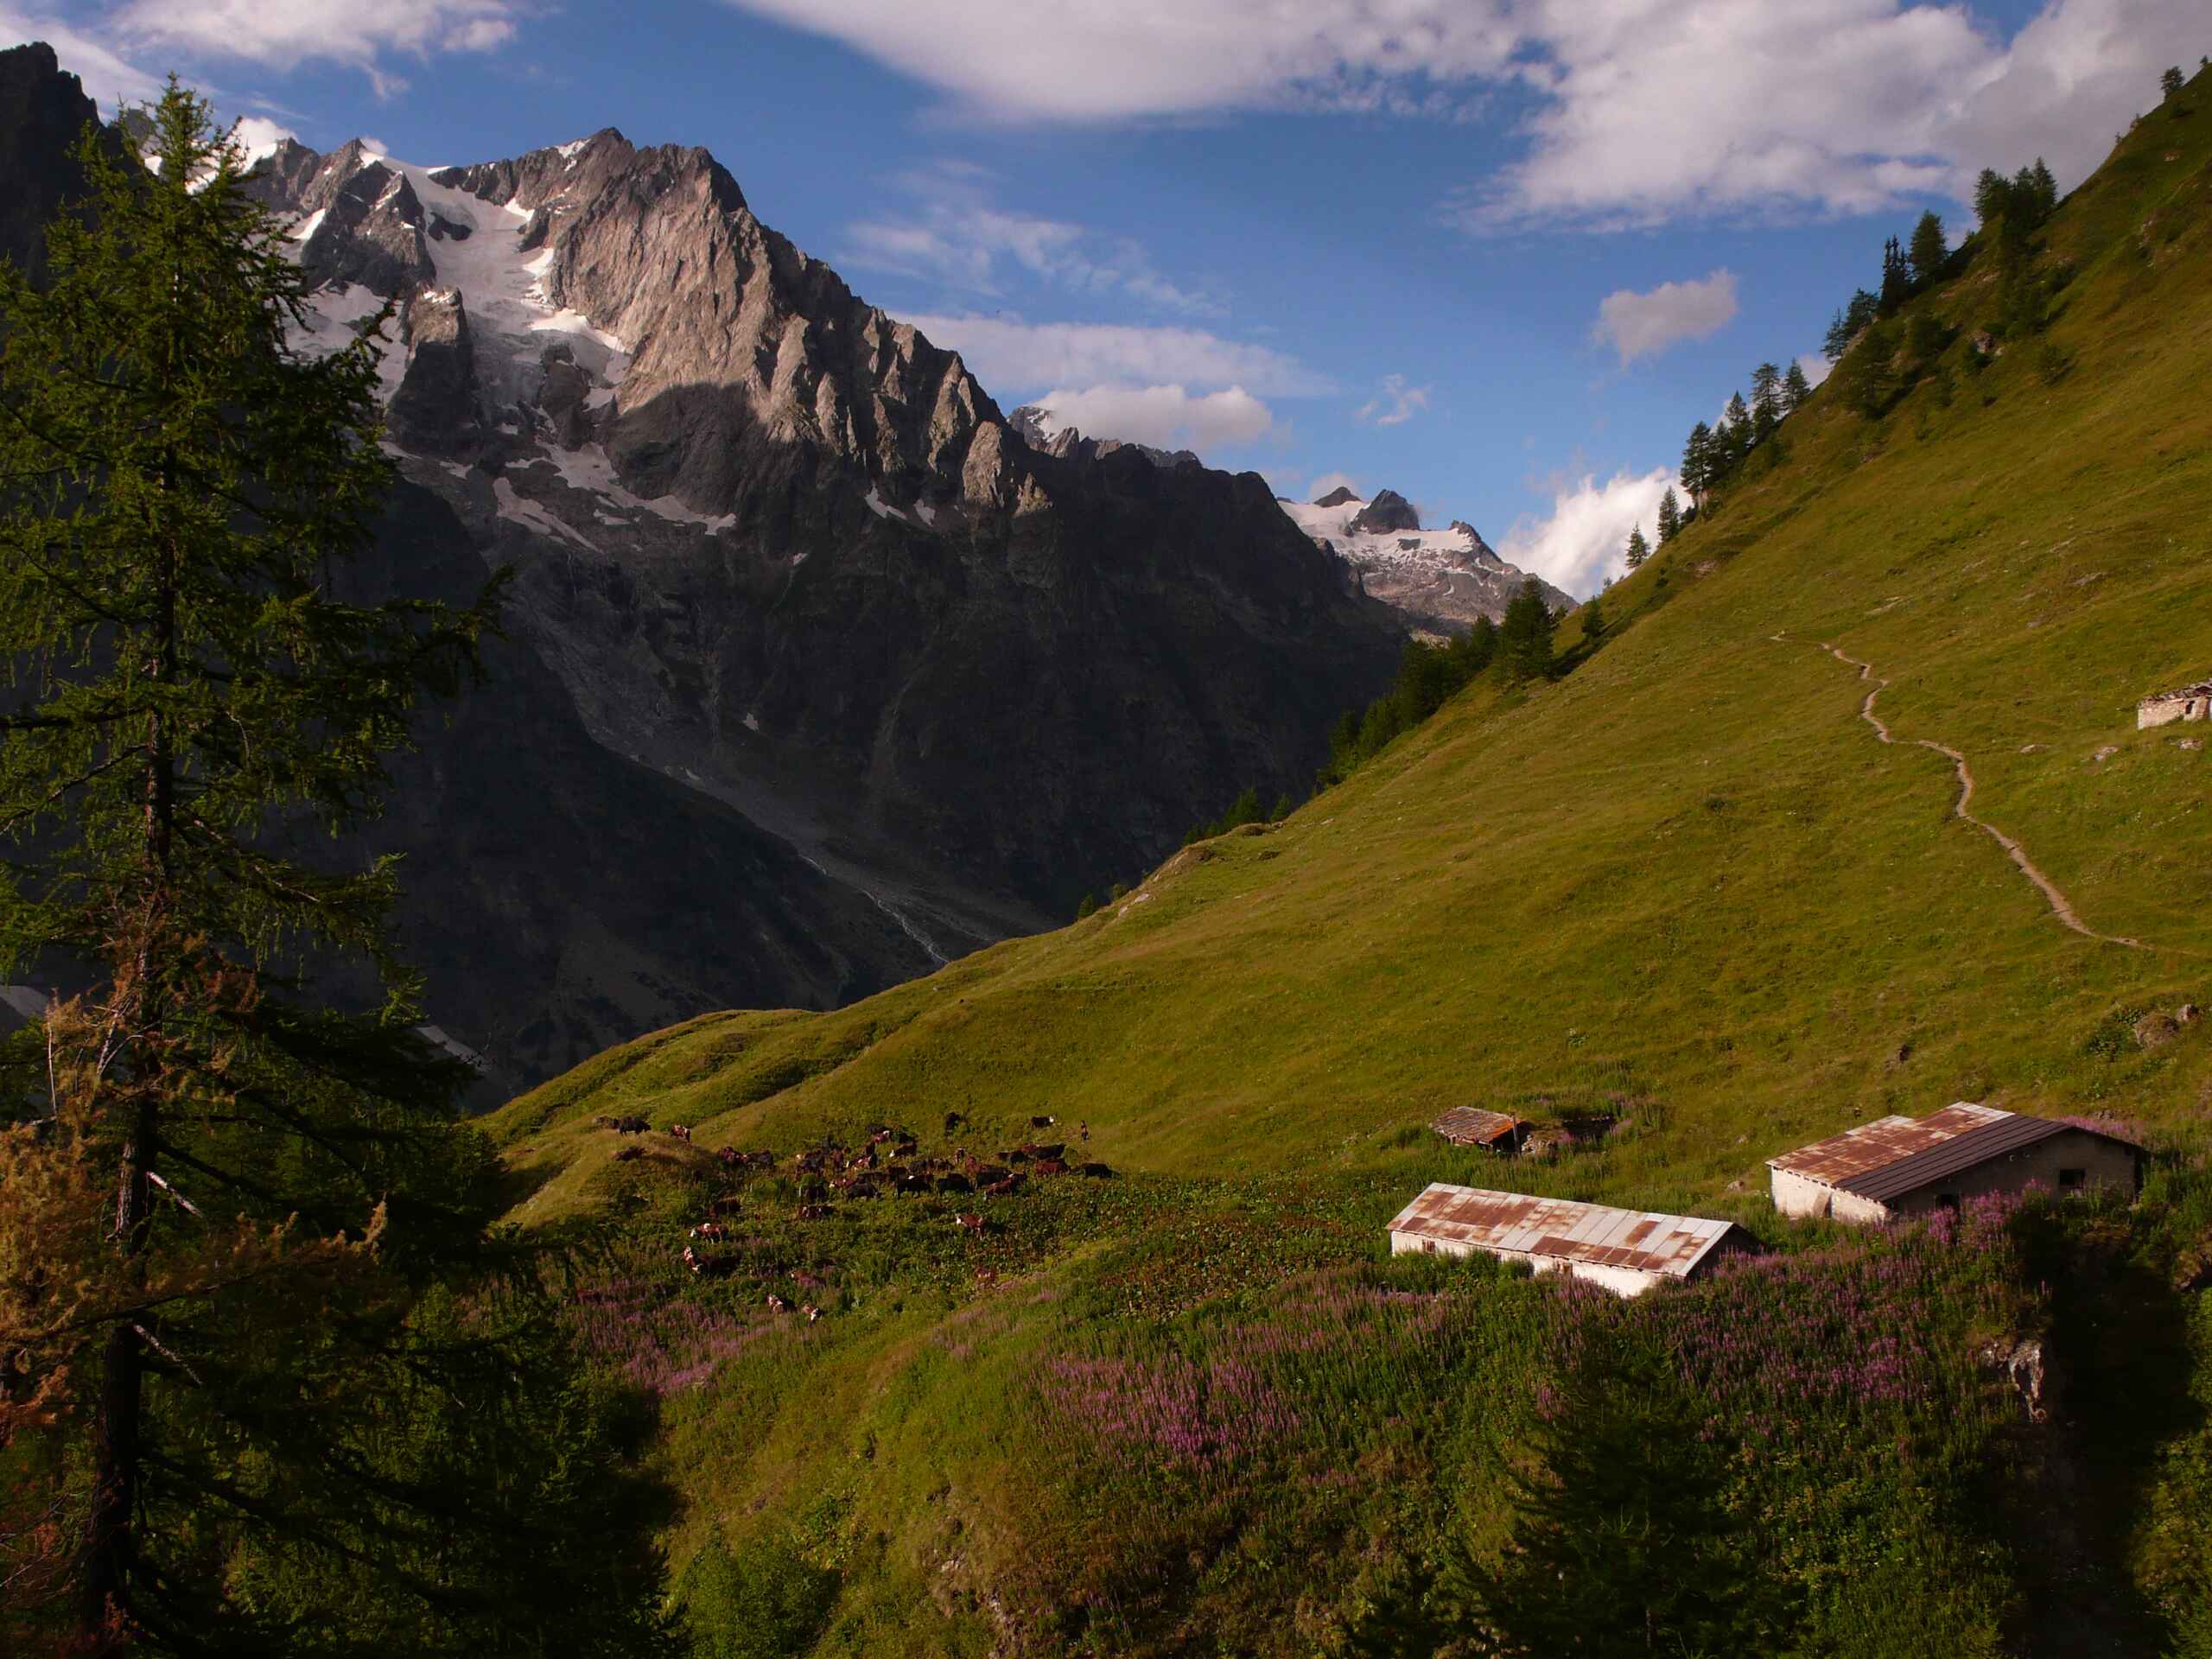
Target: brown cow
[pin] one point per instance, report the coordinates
(777, 1304)
(968, 1222)
(1050, 1166)
(1004, 1189)
(624, 1154)
(812, 1311)
(955, 1184)
(712, 1231)
(954, 1121)
(681, 1131)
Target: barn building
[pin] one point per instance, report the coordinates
(2189, 702)
(1906, 1165)
(1471, 1126)
(1625, 1250)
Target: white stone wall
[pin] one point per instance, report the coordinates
(2164, 711)
(1799, 1197)
(1622, 1281)
(2105, 1164)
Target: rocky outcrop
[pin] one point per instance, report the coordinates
(43, 113)
(1386, 512)
(1437, 581)
(1032, 425)
(1338, 497)
(778, 550)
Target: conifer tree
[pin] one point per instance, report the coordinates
(1638, 549)
(1524, 638)
(1593, 620)
(284, 1183)
(1736, 433)
(2046, 189)
(1796, 388)
(2170, 83)
(1670, 517)
(1697, 467)
(1929, 249)
(1766, 400)
(1993, 195)
(1897, 283)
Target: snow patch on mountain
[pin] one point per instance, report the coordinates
(1437, 578)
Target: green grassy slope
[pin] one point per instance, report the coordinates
(1687, 885)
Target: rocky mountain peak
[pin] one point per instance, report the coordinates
(1386, 512)
(1343, 495)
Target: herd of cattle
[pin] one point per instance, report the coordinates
(891, 1162)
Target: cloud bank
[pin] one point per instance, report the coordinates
(1583, 542)
(1644, 325)
(1643, 109)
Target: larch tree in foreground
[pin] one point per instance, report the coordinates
(261, 1387)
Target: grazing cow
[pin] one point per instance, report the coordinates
(954, 1121)
(812, 1211)
(812, 1311)
(631, 1125)
(1096, 1171)
(624, 1154)
(712, 1231)
(968, 1222)
(955, 1184)
(987, 1174)
(1056, 1151)
(777, 1304)
(1004, 1189)
(912, 1183)
(1045, 1123)
(814, 1193)
(731, 1156)
(878, 1136)
(863, 1189)
(708, 1267)
(1050, 1166)
(905, 1148)
(681, 1131)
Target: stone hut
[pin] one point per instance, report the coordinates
(1471, 1126)
(1904, 1166)
(2191, 702)
(1627, 1251)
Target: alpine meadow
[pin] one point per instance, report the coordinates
(1639, 1095)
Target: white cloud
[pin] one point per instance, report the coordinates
(1330, 483)
(1644, 109)
(1815, 365)
(1584, 541)
(258, 135)
(1399, 403)
(285, 34)
(1011, 355)
(957, 233)
(1643, 325)
(1167, 416)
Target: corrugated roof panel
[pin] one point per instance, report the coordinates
(1886, 1141)
(1559, 1229)
(1473, 1126)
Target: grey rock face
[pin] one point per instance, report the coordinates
(777, 548)
(1388, 511)
(42, 114)
(1338, 497)
(436, 407)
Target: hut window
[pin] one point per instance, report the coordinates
(2072, 1180)
(1428, 1247)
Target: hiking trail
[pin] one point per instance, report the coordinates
(2059, 906)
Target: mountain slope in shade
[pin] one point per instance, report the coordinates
(1437, 579)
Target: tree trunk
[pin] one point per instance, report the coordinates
(110, 1541)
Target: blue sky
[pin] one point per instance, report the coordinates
(1496, 256)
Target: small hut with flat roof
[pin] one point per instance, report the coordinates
(1627, 1251)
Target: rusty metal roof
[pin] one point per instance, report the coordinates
(2201, 688)
(1895, 1155)
(1592, 1234)
(1473, 1126)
